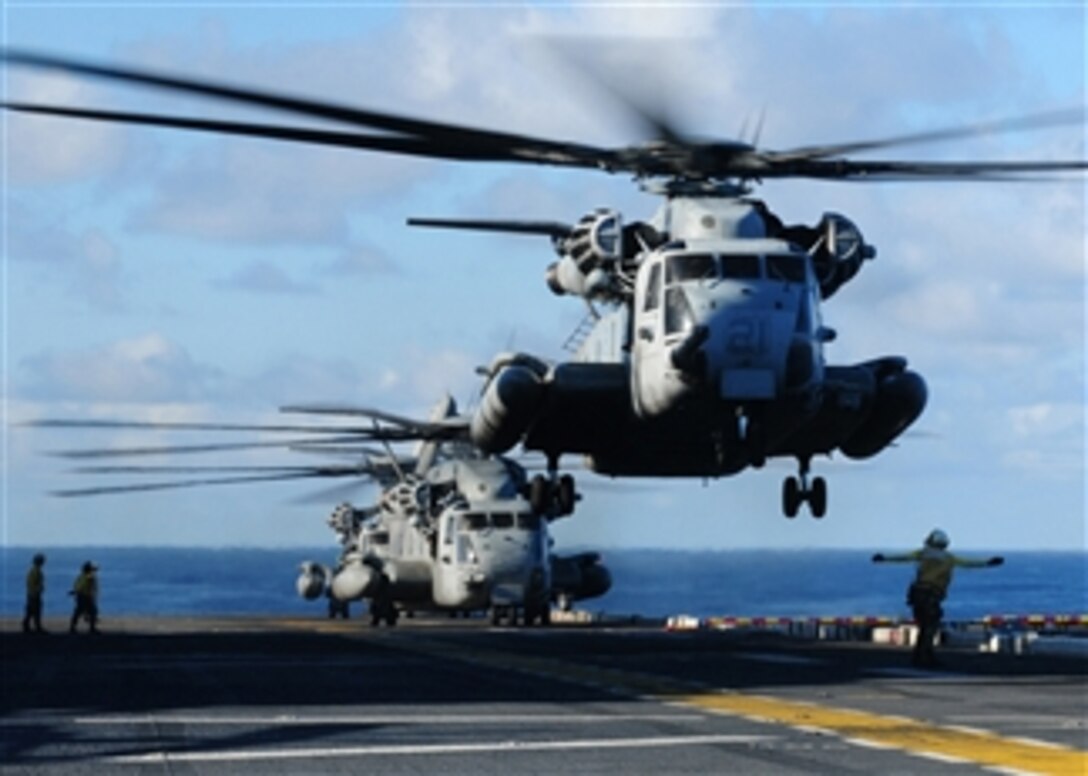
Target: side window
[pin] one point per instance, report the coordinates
(653, 289)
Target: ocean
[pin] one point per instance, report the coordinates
(654, 583)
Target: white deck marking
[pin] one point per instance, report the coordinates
(385, 719)
(243, 755)
(780, 659)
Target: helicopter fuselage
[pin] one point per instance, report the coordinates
(461, 538)
(711, 358)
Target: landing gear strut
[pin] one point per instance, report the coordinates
(796, 491)
(552, 495)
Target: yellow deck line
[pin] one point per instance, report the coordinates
(901, 733)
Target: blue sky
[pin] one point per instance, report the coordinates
(155, 275)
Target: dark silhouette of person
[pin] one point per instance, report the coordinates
(35, 590)
(85, 590)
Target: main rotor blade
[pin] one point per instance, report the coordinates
(553, 229)
(1002, 126)
(187, 426)
(290, 444)
(302, 471)
(446, 428)
(472, 142)
(149, 486)
(409, 146)
(935, 171)
(337, 494)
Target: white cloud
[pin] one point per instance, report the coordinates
(146, 368)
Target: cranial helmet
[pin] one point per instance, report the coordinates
(937, 538)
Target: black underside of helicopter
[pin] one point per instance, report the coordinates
(858, 410)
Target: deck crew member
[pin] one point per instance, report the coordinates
(930, 586)
(85, 590)
(35, 589)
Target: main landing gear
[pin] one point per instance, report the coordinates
(796, 491)
(551, 495)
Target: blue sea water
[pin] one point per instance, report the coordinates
(797, 583)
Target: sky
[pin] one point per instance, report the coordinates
(158, 275)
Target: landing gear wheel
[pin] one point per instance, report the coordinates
(817, 498)
(565, 495)
(791, 497)
(539, 492)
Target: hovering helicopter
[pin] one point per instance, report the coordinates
(706, 356)
(452, 529)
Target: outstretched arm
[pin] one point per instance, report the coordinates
(968, 563)
(905, 557)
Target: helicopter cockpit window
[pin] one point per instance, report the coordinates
(653, 289)
(502, 520)
(786, 267)
(691, 266)
(740, 267)
(678, 314)
(378, 537)
(473, 522)
(528, 521)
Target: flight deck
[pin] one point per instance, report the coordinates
(293, 695)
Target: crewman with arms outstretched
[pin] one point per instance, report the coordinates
(929, 588)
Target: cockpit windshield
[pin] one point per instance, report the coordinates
(473, 521)
(691, 266)
(502, 520)
(679, 317)
(528, 521)
(786, 267)
(743, 267)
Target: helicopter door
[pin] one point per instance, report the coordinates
(648, 355)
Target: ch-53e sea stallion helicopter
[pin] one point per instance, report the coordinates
(708, 356)
(452, 529)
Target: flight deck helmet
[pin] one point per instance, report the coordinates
(937, 539)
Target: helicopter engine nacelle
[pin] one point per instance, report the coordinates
(565, 277)
(899, 400)
(354, 580)
(596, 238)
(840, 253)
(595, 241)
(510, 402)
(578, 577)
(313, 580)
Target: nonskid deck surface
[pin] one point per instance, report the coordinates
(266, 695)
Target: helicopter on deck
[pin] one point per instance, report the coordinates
(458, 538)
(452, 529)
(708, 357)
